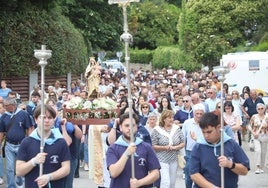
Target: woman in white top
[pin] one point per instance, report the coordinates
(167, 141)
(232, 118)
(259, 130)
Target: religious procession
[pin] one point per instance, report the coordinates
(172, 123)
(136, 127)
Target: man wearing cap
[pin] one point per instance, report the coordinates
(16, 124)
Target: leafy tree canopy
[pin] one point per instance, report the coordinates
(210, 28)
(153, 23)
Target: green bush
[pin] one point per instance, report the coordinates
(174, 57)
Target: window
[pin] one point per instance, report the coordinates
(254, 65)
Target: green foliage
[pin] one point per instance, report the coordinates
(100, 23)
(153, 24)
(141, 56)
(210, 28)
(173, 56)
(260, 47)
(30, 27)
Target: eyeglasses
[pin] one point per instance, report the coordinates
(260, 108)
(51, 95)
(234, 93)
(185, 101)
(209, 92)
(144, 107)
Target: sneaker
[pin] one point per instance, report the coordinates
(86, 167)
(261, 171)
(258, 171)
(81, 164)
(1, 181)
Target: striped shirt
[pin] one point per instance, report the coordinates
(162, 140)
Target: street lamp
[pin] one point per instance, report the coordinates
(43, 55)
(127, 38)
(221, 71)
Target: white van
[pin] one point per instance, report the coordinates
(247, 69)
(115, 65)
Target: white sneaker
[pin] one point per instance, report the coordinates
(258, 171)
(1, 181)
(86, 167)
(261, 171)
(81, 164)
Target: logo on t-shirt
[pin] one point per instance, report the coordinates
(54, 159)
(142, 162)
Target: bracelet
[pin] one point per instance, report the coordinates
(49, 177)
(114, 125)
(33, 162)
(126, 154)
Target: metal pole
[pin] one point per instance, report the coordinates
(222, 129)
(221, 71)
(127, 38)
(42, 55)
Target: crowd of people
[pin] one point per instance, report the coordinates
(174, 113)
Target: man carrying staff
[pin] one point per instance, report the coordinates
(206, 159)
(118, 159)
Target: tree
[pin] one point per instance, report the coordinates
(99, 22)
(153, 24)
(210, 28)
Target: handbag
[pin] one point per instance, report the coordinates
(181, 161)
(251, 141)
(251, 145)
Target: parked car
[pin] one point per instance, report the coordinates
(113, 65)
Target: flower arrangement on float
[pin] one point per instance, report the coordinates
(94, 112)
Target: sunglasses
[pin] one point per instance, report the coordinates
(260, 108)
(209, 92)
(185, 101)
(145, 107)
(218, 107)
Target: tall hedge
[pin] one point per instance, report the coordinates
(27, 28)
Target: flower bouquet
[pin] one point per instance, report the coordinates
(96, 112)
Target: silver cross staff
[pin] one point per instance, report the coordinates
(127, 38)
(221, 71)
(43, 55)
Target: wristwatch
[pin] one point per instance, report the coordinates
(233, 165)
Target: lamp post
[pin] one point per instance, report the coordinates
(127, 38)
(221, 71)
(43, 55)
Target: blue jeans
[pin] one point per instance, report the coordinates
(188, 180)
(70, 177)
(1, 167)
(11, 154)
(85, 145)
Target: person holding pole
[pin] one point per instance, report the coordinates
(206, 159)
(55, 158)
(118, 155)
